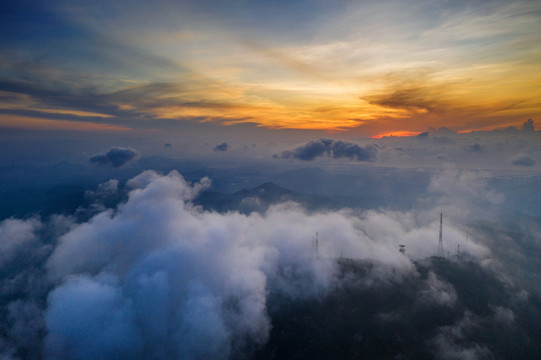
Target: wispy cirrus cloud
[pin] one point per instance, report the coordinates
(364, 68)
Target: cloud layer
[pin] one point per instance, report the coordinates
(173, 279)
(158, 277)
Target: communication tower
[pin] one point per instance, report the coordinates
(440, 252)
(316, 245)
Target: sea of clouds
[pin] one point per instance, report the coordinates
(158, 277)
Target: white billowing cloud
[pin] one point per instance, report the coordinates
(187, 192)
(192, 283)
(422, 241)
(180, 282)
(418, 231)
(438, 292)
(16, 234)
(90, 319)
(464, 185)
(104, 190)
(461, 194)
(504, 315)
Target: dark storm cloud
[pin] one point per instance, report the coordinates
(332, 148)
(523, 160)
(221, 147)
(115, 157)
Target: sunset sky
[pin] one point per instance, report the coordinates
(357, 67)
(225, 179)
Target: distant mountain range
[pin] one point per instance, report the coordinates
(60, 187)
(67, 198)
(260, 198)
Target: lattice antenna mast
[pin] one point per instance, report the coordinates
(317, 245)
(440, 251)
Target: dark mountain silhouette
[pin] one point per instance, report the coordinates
(260, 198)
(388, 320)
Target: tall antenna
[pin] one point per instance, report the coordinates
(440, 252)
(317, 245)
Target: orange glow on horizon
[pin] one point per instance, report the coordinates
(397, 134)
